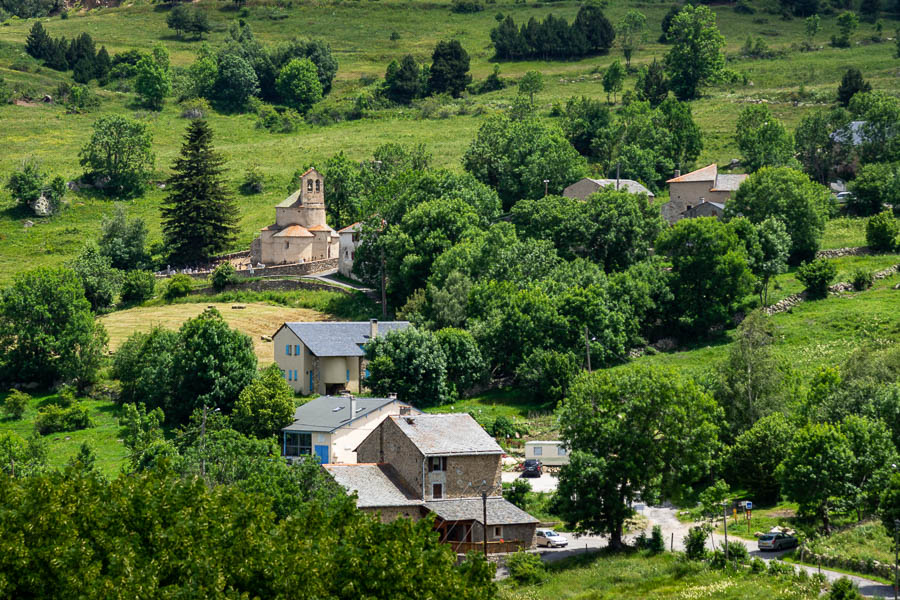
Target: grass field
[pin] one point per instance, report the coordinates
(359, 34)
(640, 575)
(256, 320)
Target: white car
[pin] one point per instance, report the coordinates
(551, 539)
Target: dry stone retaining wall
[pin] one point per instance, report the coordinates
(844, 286)
(838, 252)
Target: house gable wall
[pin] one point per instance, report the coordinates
(388, 444)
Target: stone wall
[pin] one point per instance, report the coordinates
(388, 444)
(277, 285)
(871, 567)
(838, 252)
(463, 471)
(844, 286)
(307, 268)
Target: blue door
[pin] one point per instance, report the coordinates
(311, 382)
(322, 453)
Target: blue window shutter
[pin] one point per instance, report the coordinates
(295, 374)
(297, 350)
(287, 349)
(348, 375)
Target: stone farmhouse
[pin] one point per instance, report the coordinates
(703, 186)
(445, 464)
(327, 357)
(331, 427)
(349, 242)
(583, 188)
(299, 234)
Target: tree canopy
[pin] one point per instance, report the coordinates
(696, 56)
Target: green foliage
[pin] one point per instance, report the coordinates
(847, 23)
(403, 80)
(531, 83)
(223, 276)
(517, 493)
(449, 71)
(737, 551)
(411, 364)
(657, 543)
(880, 114)
(123, 241)
(265, 405)
(843, 589)
(100, 279)
(235, 82)
(52, 418)
(144, 365)
(525, 567)
(35, 347)
(612, 417)
(818, 150)
(188, 20)
(763, 139)
(889, 506)
(546, 375)
(199, 215)
(632, 33)
(15, 404)
(695, 542)
(876, 185)
(817, 470)
(465, 365)
(752, 460)
(118, 157)
(515, 156)
(862, 279)
(179, 286)
(152, 82)
(613, 78)
(883, 232)
(789, 196)
(873, 453)
(20, 457)
(140, 431)
(138, 286)
(696, 56)
(709, 272)
(817, 276)
(30, 183)
(298, 84)
(652, 85)
(852, 83)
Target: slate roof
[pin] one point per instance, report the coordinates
(340, 338)
(294, 231)
(624, 184)
(328, 413)
(350, 228)
(290, 200)
(855, 131)
(455, 433)
(728, 183)
(375, 484)
(499, 511)
(707, 173)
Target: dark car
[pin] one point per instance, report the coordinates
(531, 468)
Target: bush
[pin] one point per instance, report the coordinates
(253, 181)
(758, 566)
(882, 231)
(737, 551)
(862, 279)
(223, 276)
(503, 428)
(695, 543)
(54, 418)
(525, 568)
(843, 589)
(657, 543)
(517, 493)
(271, 119)
(817, 276)
(179, 286)
(196, 108)
(467, 6)
(779, 568)
(138, 286)
(15, 404)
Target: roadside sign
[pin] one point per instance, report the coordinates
(749, 505)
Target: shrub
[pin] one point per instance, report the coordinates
(517, 493)
(525, 568)
(503, 427)
(54, 418)
(758, 565)
(657, 543)
(253, 181)
(695, 543)
(179, 286)
(138, 286)
(223, 276)
(15, 404)
(196, 108)
(843, 589)
(779, 568)
(737, 551)
(817, 276)
(862, 279)
(882, 231)
(467, 6)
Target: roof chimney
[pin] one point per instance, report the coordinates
(392, 396)
(677, 172)
(373, 329)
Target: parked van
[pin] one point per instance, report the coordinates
(551, 453)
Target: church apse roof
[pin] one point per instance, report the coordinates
(294, 231)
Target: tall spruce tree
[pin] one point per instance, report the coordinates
(652, 84)
(38, 42)
(199, 216)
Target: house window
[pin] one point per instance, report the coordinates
(287, 349)
(437, 491)
(560, 451)
(297, 444)
(290, 375)
(437, 463)
(498, 532)
(297, 350)
(348, 375)
(538, 451)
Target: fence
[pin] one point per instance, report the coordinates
(492, 547)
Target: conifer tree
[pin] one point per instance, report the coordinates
(652, 84)
(102, 66)
(38, 42)
(199, 216)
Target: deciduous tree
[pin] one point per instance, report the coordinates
(762, 139)
(119, 158)
(696, 55)
(264, 406)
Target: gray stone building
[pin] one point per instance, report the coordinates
(583, 188)
(445, 464)
(705, 185)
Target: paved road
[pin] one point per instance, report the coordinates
(674, 531)
(329, 277)
(544, 483)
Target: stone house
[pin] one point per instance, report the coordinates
(331, 427)
(327, 357)
(349, 241)
(300, 233)
(705, 209)
(694, 188)
(583, 188)
(445, 464)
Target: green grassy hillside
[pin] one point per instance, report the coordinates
(359, 34)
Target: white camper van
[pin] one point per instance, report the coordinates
(551, 453)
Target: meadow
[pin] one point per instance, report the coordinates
(359, 33)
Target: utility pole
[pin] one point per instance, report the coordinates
(725, 524)
(383, 289)
(546, 184)
(484, 521)
(587, 348)
(203, 444)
